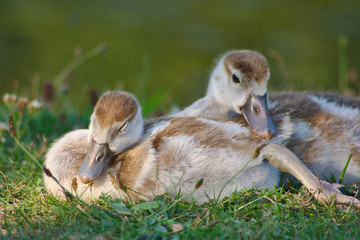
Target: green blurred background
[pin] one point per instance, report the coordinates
(167, 48)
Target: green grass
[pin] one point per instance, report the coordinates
(28, 212)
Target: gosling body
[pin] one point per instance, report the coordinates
(326, 131)
(169, 156)
(173, 158)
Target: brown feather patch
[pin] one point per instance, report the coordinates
(252, 64)
(115, 107)
(132, 166)
(330, 128)
(206, 135)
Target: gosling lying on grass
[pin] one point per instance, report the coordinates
(326, 131)
(323, 129)
(197, 158)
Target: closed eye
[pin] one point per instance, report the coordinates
(123, 128)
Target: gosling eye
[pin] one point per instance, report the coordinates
(124, 128)
(235, 78)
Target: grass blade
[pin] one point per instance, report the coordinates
(344, 169)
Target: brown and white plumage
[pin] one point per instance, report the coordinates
(325, 126)
(173, 156)
(326, 131)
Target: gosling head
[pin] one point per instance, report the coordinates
(239, 83)
(115, 125)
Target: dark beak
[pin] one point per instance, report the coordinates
(256, 114)
(95, 162)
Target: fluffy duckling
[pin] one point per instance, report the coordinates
(175, 156)
(237, 84)
(170, 155)
(316, 118)
(81, 156)
(326, 131)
